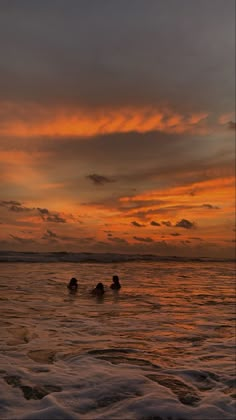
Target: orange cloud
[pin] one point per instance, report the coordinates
(219, 185)
(208, 204)
(35, 121)
(19, 167)
(16, 158)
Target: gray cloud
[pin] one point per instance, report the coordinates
(49, 235)
(137, 224)
(141, 239)
(19, 209)
(99, 179)
(196, 238)
(210, 206)
(24, 241)
(117, 240)
(153, 223)
(15, 206)
(186, 224)
(98, 55)
(9, 203)
(48, 216)
(55, 218)
(43, 212)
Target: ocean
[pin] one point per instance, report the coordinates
(162, 347)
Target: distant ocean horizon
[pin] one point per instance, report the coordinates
(80, 257)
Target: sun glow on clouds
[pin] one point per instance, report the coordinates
(207, 202)
(150, 221)
(192, 199)
(208, 189)
(196, 213)
(33, 120)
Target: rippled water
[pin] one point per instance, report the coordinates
(163, 347)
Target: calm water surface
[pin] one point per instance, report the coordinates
(163, 347)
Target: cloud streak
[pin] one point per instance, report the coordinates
(141, 239)
(99, 179)
(153, 223)
(185, 224)
(48, 216)
(33, 121)
(136, 224)
(15, 206)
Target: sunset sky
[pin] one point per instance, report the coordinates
(117, 126)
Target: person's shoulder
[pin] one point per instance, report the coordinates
(72, 287)
(115, 286)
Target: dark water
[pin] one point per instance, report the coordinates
(162, 347)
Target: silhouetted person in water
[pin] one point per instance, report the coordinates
(73, 284)
(116, 283)
(98, 290)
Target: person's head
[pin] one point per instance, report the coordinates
(100, 287)
(115, 279)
